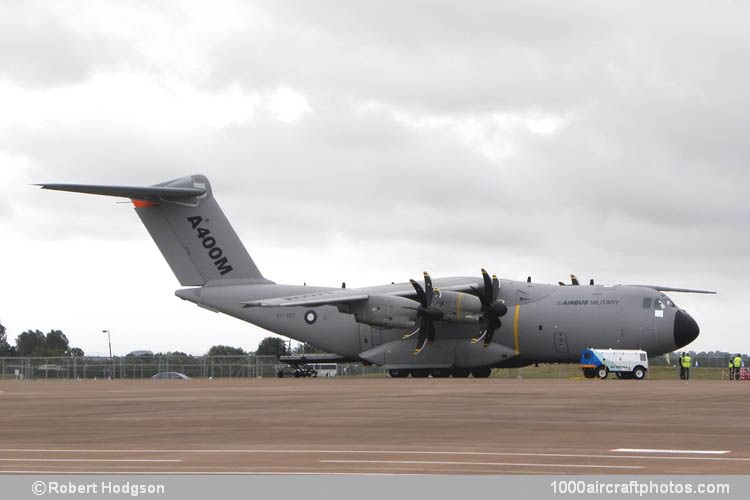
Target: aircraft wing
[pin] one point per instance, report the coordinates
(345, 295)
(660, 288)
(310, 299)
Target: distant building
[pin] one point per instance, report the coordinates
(141, 353)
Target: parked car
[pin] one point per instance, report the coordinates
(170, 376)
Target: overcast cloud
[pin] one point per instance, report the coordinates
(369, 141)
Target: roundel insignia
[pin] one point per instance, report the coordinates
(310, 317)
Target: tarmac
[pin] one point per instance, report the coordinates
(375, 426)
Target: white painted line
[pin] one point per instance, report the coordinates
(504, 464)
(206, 473)
(672, 452)
(83, 460)
(657, 456)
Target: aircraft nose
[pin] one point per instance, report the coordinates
(685, 329)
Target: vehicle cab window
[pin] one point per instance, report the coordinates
(659, 305)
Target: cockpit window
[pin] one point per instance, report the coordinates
(646, 303)
(668, 301)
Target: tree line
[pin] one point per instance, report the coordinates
(36, 343)
(269, 346)
(56, 344)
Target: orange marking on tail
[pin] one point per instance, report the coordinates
(143, 203)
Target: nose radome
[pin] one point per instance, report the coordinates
(685, 329)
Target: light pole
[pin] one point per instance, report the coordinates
(111, 360)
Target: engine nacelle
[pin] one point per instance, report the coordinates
(458, 307)
(384, 311)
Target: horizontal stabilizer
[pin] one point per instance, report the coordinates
(187, 225)
(134, 192)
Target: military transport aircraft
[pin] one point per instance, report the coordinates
(445, 326)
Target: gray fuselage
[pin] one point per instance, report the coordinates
(544, 323)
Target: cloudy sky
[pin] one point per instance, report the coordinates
(368, 141)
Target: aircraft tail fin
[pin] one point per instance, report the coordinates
(188, 226)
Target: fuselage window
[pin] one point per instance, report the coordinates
(647, 303)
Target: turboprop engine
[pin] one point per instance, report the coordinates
(391, 311)
(458, 307)
(388, 311)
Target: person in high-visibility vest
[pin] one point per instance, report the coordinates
(686, 361)
(737, 362)
(731, 368)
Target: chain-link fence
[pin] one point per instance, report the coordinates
(135, 367)
(706, 365)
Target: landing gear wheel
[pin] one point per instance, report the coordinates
(460, 372)
(483, 372)
(395, 373)
(440, 372)
(639, 373)
(602, 372)
(420, 372)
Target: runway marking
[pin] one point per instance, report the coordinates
(87, 460)
(382, 452)
(694, 452)
(211, 473)
(504, 464)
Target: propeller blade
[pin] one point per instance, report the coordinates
(491, 327)
(421, 341)
(430, 332)
(492, 308)
(481, 337)
(420, 293)
(428, 288)
(408, 335)
(487, 286)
